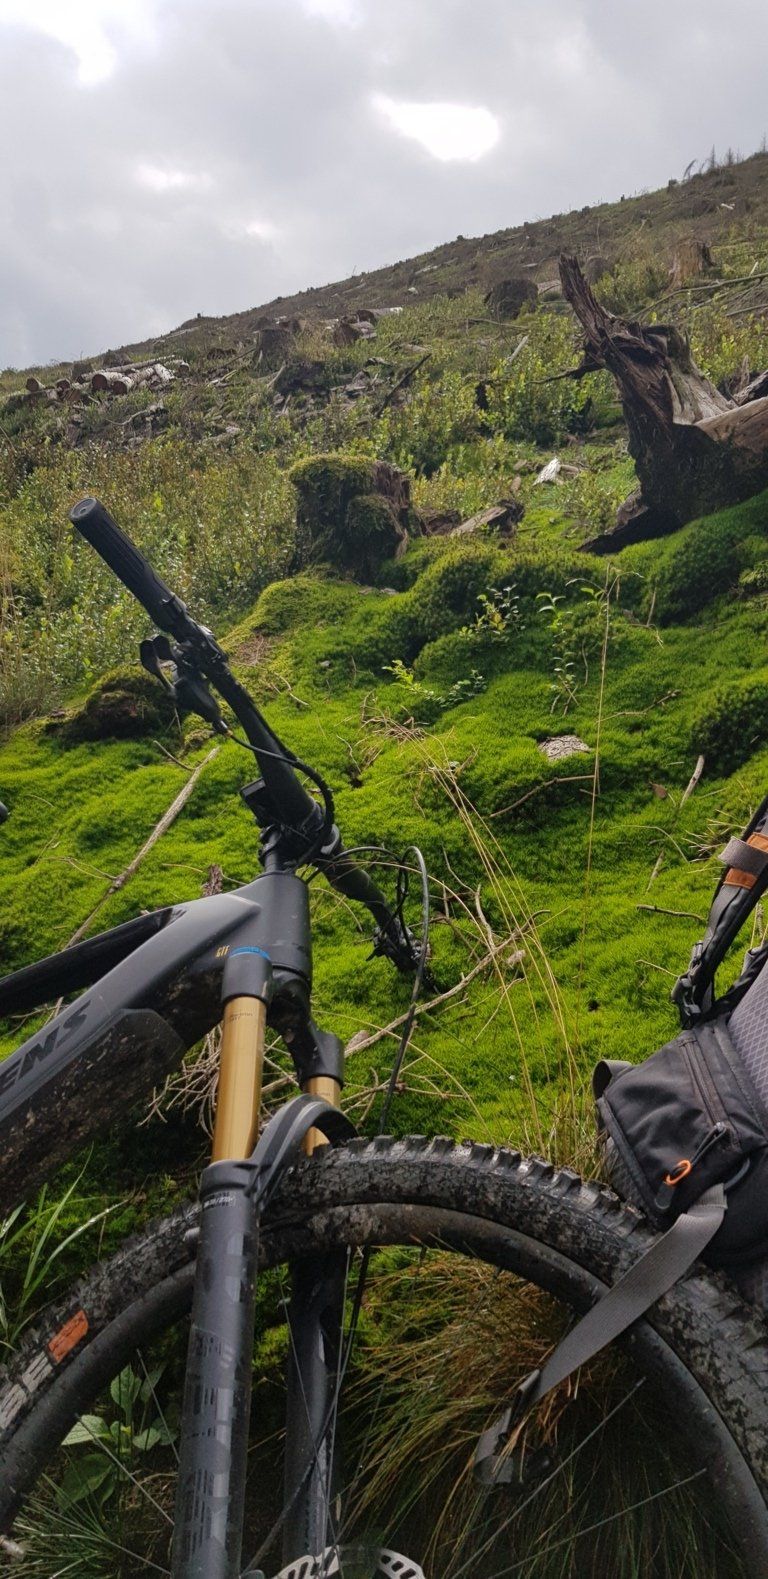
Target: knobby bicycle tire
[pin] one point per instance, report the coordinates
(701, 1347)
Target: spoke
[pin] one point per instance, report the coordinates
(501, 1573)
(550, 1478)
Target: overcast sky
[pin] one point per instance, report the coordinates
(167, 157)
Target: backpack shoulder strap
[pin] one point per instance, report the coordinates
(743, 883)
(667, 1260)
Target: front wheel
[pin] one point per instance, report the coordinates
(655, 1464)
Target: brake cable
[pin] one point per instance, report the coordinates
(402, 892)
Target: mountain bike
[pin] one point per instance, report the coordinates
(289, 1378)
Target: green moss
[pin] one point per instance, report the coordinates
(701, 562)
(732, 724)
(371, 532)
(326, 486)
(304, 600)
(344, 516)
(470, 784)
(126, 704)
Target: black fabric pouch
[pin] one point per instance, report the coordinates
(687, 1118)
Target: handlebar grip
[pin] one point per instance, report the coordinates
(128, 563)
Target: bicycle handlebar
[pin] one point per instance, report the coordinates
(286, 789)
(128, 563)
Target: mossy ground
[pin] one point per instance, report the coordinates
(423, 699)
(508, 835)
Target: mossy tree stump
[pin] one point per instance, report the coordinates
(354, 512)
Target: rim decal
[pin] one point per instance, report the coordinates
(65, 1339)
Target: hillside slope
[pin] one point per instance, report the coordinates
(533, 718)
(712, 205)
(567, 888)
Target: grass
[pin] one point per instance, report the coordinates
(566, 894)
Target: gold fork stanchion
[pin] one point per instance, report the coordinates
(330, 1090)
(236, 1125)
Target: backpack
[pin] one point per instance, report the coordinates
(684, 1137)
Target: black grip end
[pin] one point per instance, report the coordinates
(128, 563)
(82, 510)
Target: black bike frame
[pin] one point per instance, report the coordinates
(96, 1059)
(100, 1055)
(154, 987)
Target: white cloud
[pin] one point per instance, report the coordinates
(157, 179)
(447, 131)
(254, 114)
(84, 26)
(262, 229)
(345, 12)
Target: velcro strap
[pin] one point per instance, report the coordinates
(745, 857)
(667, 1260)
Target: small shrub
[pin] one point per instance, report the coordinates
(754, 583)
(524, 402)
(440, 414)
(632, 284)
(424, 705)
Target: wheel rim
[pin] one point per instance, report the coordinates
(444, 1237)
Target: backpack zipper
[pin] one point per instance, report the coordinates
(685, 1166)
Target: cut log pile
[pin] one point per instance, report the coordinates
(82, 385)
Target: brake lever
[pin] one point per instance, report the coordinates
(188, 687)
(153, 652)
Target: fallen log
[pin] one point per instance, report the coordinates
(695, 450)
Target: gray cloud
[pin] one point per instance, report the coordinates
(236, 149)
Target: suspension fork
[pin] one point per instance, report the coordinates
(316, 1323)
(210, 1493)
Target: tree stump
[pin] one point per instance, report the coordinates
(352, 512)
(695, 450)
(508, 298)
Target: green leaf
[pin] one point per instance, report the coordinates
(87, 1427)
(148, 1385)
(84, 1477)
(125, 1389)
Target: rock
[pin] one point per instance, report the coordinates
(508, 298)
(558, 747)
(549, 472)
